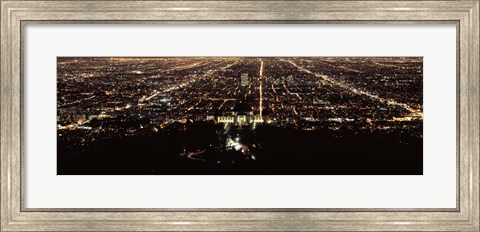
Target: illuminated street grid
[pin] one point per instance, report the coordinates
(101, 98)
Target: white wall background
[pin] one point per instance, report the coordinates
(435, 189)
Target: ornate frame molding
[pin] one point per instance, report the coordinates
(14, 217)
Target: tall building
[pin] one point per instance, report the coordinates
(244, 81)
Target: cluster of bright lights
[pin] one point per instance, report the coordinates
(235, 144)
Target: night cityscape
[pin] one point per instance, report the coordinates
(240, 115)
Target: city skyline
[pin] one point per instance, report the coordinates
(215, 115)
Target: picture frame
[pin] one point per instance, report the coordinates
(15, 217)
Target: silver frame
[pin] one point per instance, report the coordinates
(16, 14)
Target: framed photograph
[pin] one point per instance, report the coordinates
(240, 115)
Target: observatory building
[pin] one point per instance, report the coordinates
(242, 115)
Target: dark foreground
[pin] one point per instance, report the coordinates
(280, 151)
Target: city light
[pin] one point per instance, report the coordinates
(223, 110)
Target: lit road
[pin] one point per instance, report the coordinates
(261, 88)
(195, 105)
(352, 89)
(191, 155)
(187, 83)
(185, 67)
(178, 86)
(77, 101)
